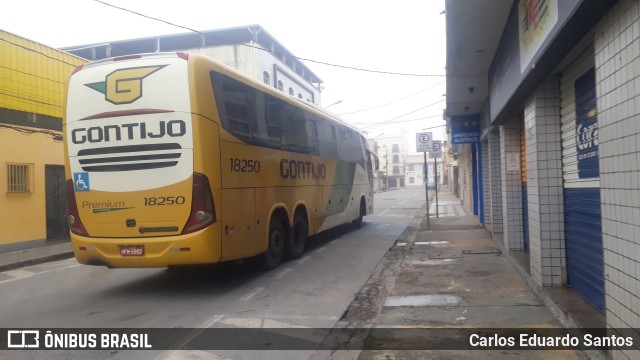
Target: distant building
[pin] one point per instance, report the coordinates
(392, 151)
(250, 49)
(414, 170)
(32, 180)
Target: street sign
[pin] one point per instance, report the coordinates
(424, 142)
(436, 150)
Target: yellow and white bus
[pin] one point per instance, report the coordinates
(177, 159)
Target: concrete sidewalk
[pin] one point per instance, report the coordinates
(450, 275)
(48, 251)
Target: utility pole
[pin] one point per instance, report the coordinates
(426, 187)
(386, 167)
(386, 161)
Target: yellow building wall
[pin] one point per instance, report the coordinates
(33, 76)
(32, 81)
(23, 216)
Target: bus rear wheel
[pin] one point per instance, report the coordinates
(295, 244)
(272, 258)
(357, 223)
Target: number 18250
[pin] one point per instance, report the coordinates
(244, 165)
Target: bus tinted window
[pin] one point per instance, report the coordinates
(350, 147)
(328, 140)
(312, 135)
(265, 120)
(236, 105)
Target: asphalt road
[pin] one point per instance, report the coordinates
(312, 291)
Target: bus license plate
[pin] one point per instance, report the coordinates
(131, 250)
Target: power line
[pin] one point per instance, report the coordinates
(265, 50)
(25, 131)
(29, 74)
(38, 52)
(393, 102)
(402, 121)
(434, 127)
(27, 99)
(411, 112)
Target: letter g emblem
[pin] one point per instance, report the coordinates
(124, 86)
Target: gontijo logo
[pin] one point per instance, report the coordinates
(124, 86)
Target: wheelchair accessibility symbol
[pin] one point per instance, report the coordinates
(81, 181)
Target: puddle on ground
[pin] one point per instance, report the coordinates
(423, 300)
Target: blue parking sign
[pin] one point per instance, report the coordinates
(81, 181)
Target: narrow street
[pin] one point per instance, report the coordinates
(312, 291)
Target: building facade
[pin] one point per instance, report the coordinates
(392, 152)
(250, 49)
(414, 170)
(550, 130)
(32, 181)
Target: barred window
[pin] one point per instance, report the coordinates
(19, 178)
(266, 78)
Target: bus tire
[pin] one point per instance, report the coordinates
(272, 258)
(294, 247)
(357, 223)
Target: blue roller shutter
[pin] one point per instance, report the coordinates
(582, 216)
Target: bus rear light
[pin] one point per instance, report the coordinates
(78, 68)
(182, 55)
(203, 211)
(73, 216)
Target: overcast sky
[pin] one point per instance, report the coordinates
(403, 36)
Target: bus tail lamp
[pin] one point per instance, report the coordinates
(77, 69)
(73, 216)
(203, 210)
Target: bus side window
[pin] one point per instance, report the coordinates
(272, 119)
(236, 106)
(293, 134)
(329, 141)
(350, 147)
(312, 135)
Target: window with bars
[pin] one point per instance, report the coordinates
(266, 78)
(19, 178)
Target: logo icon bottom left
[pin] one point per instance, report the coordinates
(20, 339)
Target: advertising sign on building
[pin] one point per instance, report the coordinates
(586, 126)
(465, 130)
(536, 19)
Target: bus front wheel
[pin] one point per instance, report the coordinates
(271, 258)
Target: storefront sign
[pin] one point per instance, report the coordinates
(586, 126)
(465, 130)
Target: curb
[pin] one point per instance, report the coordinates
(36, 261)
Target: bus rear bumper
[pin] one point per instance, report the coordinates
(202, 247)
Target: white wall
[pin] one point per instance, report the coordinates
(254, 62)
